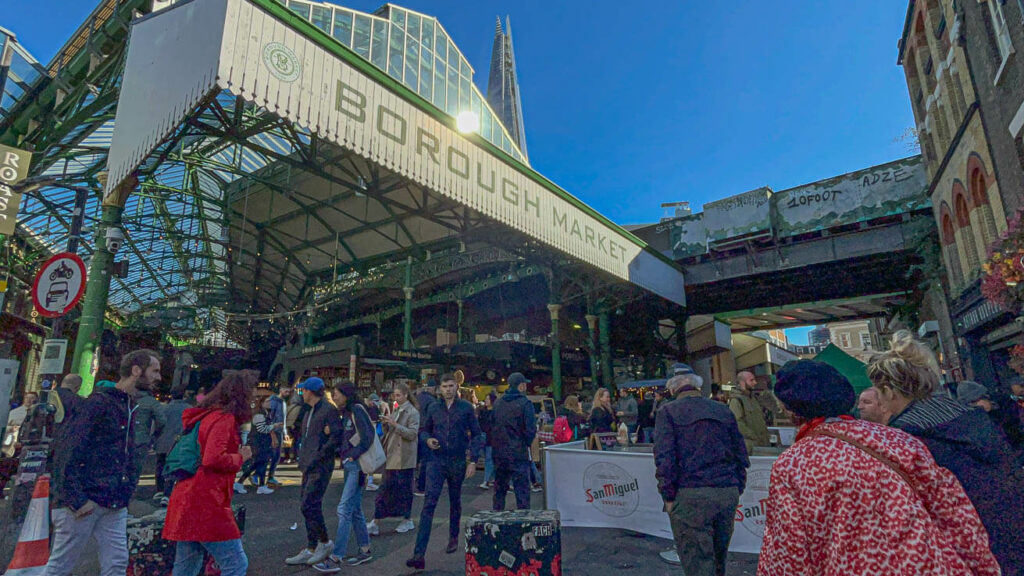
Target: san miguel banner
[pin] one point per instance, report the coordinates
(598, 489)
(13, 169)
(254, 49)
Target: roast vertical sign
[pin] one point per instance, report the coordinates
(13, 169)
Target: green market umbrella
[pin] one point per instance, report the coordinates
(854, 370)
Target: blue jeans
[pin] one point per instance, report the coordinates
(188, 557)
(350, 511)
(488, 464)
(535, 475)
(439, 471)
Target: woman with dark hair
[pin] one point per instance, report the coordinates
(355, 421)
(263, 440)
(401, 434)
(199, 513)
(856, 498)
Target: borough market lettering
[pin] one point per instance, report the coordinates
(389, 124)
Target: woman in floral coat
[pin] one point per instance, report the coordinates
(853, 498)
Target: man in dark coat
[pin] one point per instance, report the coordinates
(93, 486)
(320, 432)
(702, 469)
(451, 432)
(425, 396)
(514, 428)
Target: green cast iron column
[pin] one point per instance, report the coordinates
(604, 328)
(94, 307)
(459, 335)
(407, 325)
(556, 353)
(595, 371)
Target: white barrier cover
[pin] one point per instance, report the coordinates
(596, 489)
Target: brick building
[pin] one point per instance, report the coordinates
(965, 89)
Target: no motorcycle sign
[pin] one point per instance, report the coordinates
(59, 285)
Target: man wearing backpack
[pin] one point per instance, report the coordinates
(92, 491)
(514, 427)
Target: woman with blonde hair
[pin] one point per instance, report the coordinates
(573, 413)
(961, 439)
(602, 415)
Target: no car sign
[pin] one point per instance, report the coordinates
(59, 285)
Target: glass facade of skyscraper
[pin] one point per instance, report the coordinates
(20, 75)
(415, 50)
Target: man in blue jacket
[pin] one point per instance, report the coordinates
(514, 428)
(702, 466)
(92, 489)
(452, 434)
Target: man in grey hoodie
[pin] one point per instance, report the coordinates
(171, 414)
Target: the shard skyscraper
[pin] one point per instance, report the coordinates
(503, 85)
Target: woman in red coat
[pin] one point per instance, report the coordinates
(199, 514)
(853, 498)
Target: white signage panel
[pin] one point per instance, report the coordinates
(599, 489)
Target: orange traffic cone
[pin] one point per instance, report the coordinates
(33, 549)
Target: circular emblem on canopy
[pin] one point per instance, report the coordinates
(281, 62)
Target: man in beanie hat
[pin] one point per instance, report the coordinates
(513, 430)
(856, 498)
(702, 469)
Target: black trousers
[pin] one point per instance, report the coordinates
(518, 472)
(314, 485)
(440, 471)
(395, 496)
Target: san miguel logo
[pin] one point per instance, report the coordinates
(750, 512)
(281, 62)
(611, 489)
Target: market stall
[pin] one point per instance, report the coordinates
(617, 488)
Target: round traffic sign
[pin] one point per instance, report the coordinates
(59, 285)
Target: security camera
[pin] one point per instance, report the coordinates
(115, 239)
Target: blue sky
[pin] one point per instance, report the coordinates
(630, 105)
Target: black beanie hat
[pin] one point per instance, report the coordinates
(814, 389)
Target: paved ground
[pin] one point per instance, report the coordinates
(269, 538)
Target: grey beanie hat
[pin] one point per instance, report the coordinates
(968, 392)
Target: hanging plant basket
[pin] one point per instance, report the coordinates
(1002, 280)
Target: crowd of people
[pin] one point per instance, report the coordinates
(923, 481)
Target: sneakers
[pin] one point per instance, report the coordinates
(405, 526)
(158, 496)
(485, 485)
(536, 488)
(301, 558)
(360, 558)
(420, 494)
(371, 486)
(329, 566)
(323, 550)
(273, 482)
(670, 556)
(372, 528)
(264, 490)
(165, 501)
(239, 489)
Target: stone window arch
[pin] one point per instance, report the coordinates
(967, 247)
(978, 184)
(949, 250)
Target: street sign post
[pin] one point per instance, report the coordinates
(59, 285)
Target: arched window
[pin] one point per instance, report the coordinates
(966, 244)
(949, 251)
(978, 186)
